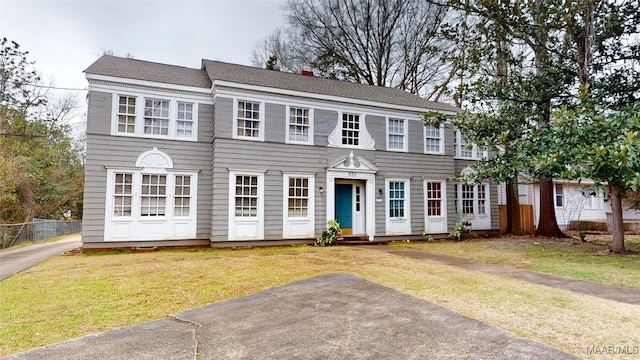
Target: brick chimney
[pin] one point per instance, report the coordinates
(306, 73)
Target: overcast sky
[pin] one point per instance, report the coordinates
(65, 37)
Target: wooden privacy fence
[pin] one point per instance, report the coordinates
(38, 229)
(526, 218)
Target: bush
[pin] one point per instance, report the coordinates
(330, 234)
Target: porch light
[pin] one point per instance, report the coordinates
(321, 190)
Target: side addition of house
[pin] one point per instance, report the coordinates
(230, 155)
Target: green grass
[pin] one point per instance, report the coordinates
(567, 257)
(71, 296)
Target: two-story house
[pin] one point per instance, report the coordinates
(233, 155)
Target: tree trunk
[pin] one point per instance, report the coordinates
(547, 224)
(617, 224)
(513, 210)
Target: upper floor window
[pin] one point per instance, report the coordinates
(249, 121)
(350, 129)
(153, 117)
(464, 149)
(299, 128)
(433, 139)
(127, 114)
(156, 117)
(396, 135)
(184, 123)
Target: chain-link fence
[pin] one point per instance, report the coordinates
(37, 230)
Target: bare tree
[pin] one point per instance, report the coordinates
(392, 43)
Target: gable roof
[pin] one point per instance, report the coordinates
(211, 71)
(316, 85)
(149, 71)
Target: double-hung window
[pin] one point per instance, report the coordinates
(396, 135)
(299, 126)
(396, 199)
(433, 140)
(126, 114)
(122, 194)
(559, 195)
(350, 129)
(184, 120)
(434, 199)
(248, 123)
(182, 195)
(153, 196)
(156, 117)
(298, 200)
(246, 196)
(464, 149)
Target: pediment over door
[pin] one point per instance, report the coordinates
(353, 163)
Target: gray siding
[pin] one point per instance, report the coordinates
(275, 159)
(112, 151)
(324, 123)
(414, 167)
(275, 126)
(224, 118)
(377, 128)
(104, 150)
(416, 137)
(99, 113)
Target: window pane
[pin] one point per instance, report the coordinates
(248, 119)
(350, 129)
(122, 194)
(153, 197)
(298, 198)
(182, 198)
(246, 196)
(126, 114)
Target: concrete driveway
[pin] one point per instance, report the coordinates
(335, 316)
(12, 261)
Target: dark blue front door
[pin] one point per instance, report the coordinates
(344, 209)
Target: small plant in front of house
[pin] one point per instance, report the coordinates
(330, 234)
(461, 230)
(427, 237)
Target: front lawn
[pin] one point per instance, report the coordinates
(71, 296)
(588, 260)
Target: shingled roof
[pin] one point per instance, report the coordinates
(316, 85)
(240, 74)
(149, 71)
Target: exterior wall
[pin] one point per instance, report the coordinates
(105, 150)
(216, 154)
(575, 205)
(273, 157)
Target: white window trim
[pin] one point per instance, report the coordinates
(476, 215)
(139, 115)
(405, 133)
(258, 219)
(309, 220)
(136, 198)
(443, 204)
(406, 219)
(555, 198)
(424, 141)
(287, 123)
(261, 125)
(475, 154)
